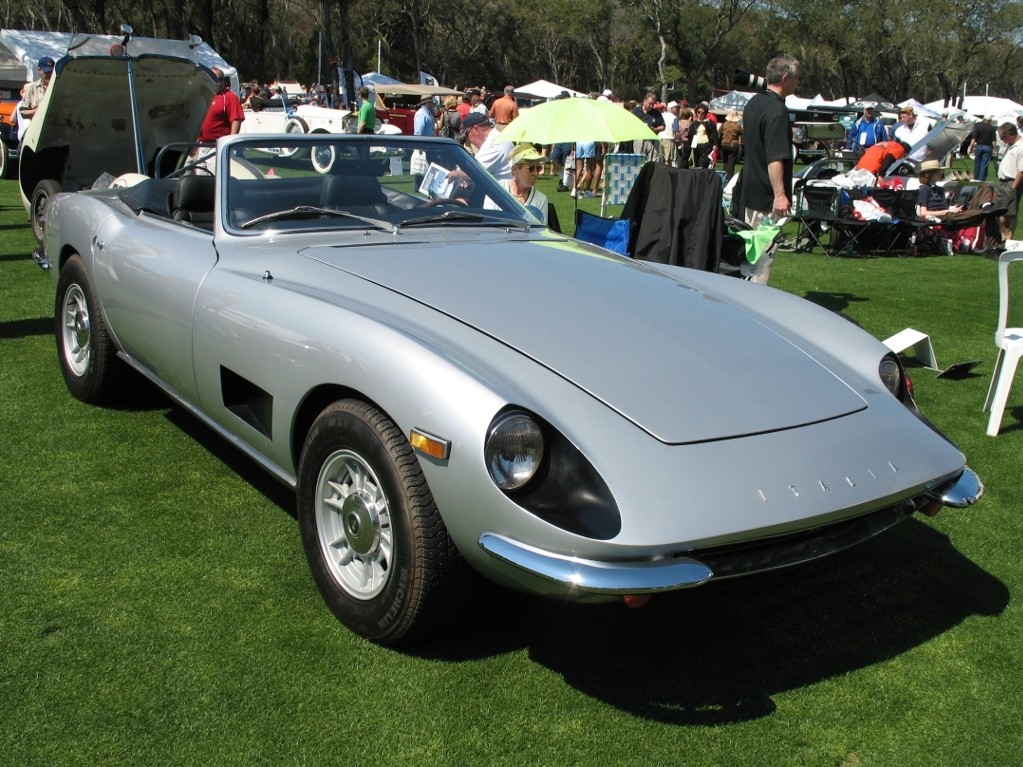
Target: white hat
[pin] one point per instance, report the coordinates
(672, 104)
(606, 92)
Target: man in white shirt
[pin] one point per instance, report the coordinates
(1010, 179)
(912, 131)
(492, 153)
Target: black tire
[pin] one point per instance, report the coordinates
(44, 190)
(375, 542)
(5, 162)
(87, 355)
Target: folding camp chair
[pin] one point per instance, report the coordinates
(815, 209)
(610, 233)
(620, 173)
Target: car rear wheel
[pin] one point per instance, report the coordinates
(87, 355)
(377, 547)
(41, 195)
(4, 161)
(295, 125)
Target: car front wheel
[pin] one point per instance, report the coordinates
(87, 356)
(377, 547)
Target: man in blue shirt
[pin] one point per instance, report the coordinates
(424, 123)
(866, 131)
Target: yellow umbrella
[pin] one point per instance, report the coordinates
(570, 120)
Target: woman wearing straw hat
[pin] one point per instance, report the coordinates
(731, 142)
(931, 205)
(930, 199)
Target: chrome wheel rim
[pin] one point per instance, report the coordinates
(76, 333)
(353, 522)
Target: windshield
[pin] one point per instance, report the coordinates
(345, 182)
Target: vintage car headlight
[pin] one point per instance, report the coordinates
(891, 375)
(513, 450)
(895, 379)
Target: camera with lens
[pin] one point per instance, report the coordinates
(746, 79)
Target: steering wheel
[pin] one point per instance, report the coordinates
(444, 201)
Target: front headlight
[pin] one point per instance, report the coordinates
(895, 379)
(891, 375)
(513, 450)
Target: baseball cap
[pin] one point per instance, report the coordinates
(472, 120)
(45, 64)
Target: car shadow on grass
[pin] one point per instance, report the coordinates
(231, 457)
(720, 653)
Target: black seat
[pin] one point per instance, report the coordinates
(354, 193)
(193, 201)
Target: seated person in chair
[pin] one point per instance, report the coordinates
(930, 199)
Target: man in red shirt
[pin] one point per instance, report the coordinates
(225, 115)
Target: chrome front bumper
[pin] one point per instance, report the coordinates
(547, 572)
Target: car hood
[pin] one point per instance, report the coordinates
(677, 361)
(87, 126)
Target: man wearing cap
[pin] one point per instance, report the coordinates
(492, 153)
(912, 131)
(504, 109)
(33, 92)
(669, 150)
(476, 102)
(424, 122)
(866, 131)
(982, 144)
(1010, 179)
(605, 95)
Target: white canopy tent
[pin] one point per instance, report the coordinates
(735, 100)
(545, 89)
(983, 106)
(922, 110)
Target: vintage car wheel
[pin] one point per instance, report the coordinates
(323, 158)
(377, 547)
(44, 190)
(87, 356)
(293, 125)
(4, 161)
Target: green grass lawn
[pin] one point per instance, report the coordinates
(155, 607)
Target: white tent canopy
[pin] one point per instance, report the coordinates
(545, 89)
(982, 106)
(922, 110)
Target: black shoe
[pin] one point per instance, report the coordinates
(562, 187)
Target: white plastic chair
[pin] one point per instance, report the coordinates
(1010, 348)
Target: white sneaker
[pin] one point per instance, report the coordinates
(574, 193)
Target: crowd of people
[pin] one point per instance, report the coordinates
(761, 138)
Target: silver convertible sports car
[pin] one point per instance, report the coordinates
(452, 389)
